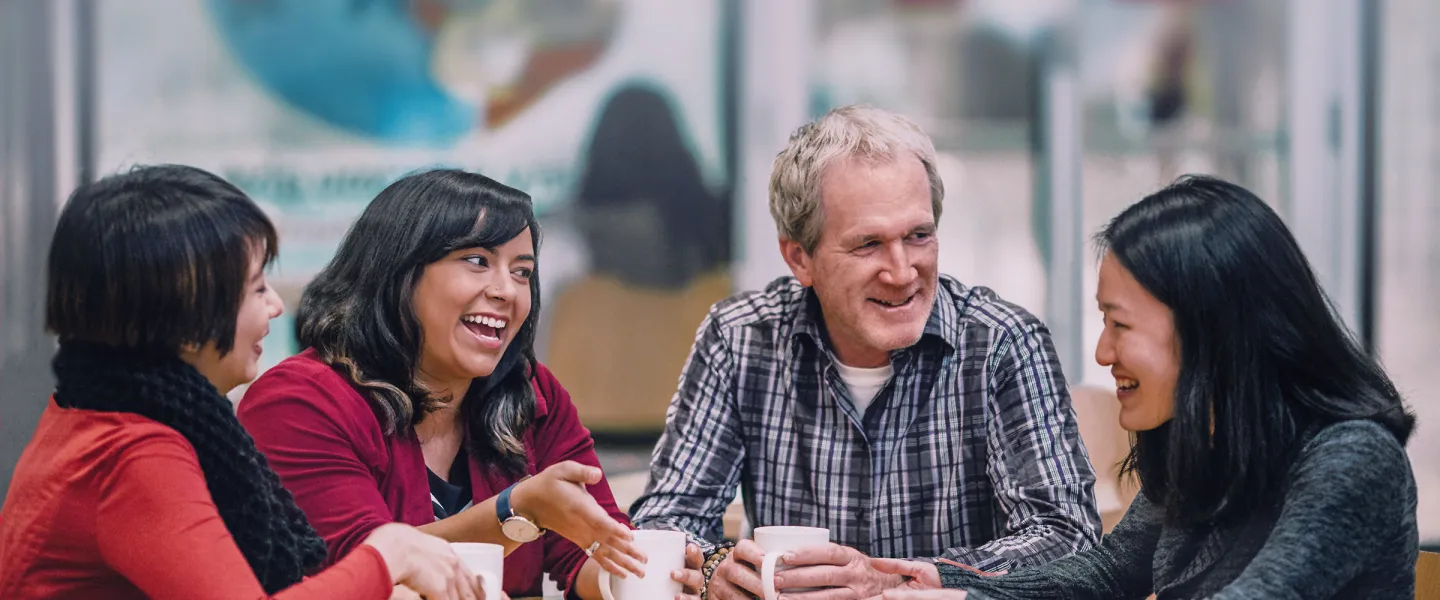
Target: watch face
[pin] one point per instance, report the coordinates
(520, 530)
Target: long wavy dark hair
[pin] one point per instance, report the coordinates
(358, 312)
(1263, 356)
(145, 263)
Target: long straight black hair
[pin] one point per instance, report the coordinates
(358, 312)
(1263, 356)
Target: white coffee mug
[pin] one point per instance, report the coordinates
(664, 553)
(776, 541)
(486, 561)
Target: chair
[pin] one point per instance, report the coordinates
(1427, 576)
(621, 373)
(1097, 413)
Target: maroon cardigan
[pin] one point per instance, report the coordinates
(323, 439)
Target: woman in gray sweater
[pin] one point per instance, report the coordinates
(1269, 446)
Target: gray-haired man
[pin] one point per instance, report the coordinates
(909, 414)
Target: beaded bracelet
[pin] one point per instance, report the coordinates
(712, 562)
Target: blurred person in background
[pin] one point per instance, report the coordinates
(648, 217)
(908, 413)
(418, 398)
(658, 242)
(1270, 447)
(139, 481)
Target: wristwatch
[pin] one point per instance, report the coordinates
(514, 526)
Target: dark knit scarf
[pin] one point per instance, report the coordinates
(269, 528)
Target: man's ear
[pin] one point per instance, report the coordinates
(798, 259)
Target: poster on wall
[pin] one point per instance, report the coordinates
(609, 113)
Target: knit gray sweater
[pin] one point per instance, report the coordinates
(1345, 529)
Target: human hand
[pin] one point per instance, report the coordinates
(423, 564)
(923, 595)
(404, 593)
(917, 575)
(690, 577)
(737, 577)
(556, 500)
(847, 573)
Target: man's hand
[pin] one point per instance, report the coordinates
(832, 572)
(844, 570)
(738, 577)
(690, 577)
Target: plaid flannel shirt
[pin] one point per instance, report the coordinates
(970, 452)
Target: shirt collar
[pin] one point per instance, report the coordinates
(943, 323)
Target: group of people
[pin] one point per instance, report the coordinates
(924, 422)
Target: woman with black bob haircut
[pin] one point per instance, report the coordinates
(139, 481)
(418, 398)
(1268, 444)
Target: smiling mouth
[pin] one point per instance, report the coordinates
(486, 328)
(893, 303)
(1126, 384)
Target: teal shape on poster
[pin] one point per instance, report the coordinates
(362, 66)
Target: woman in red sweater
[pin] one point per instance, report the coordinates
(139, 481)
(418, 398)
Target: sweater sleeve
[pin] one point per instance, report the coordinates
(1119, 568)
(1350, 497)
(309, 435)
(157, 526)
(559, 438)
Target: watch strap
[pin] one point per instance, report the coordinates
(503, 511)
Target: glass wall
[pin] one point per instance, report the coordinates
(965, 72)
(609, 113)
(1049, 116)
(31, 186)
(1159, 89)
(1170, 88)
(1408, 237)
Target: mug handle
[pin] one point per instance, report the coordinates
(767, 575)
(490, 583)
(605, 580)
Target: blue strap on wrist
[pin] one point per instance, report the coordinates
(502, 504)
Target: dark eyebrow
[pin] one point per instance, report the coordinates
(529, 257)
(858, 240)
(1109, 306)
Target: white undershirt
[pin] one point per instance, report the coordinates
(864, 384)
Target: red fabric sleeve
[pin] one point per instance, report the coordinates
(310, 436)
(157, 526)
(558, 438)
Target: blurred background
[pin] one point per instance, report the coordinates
(644, 130)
